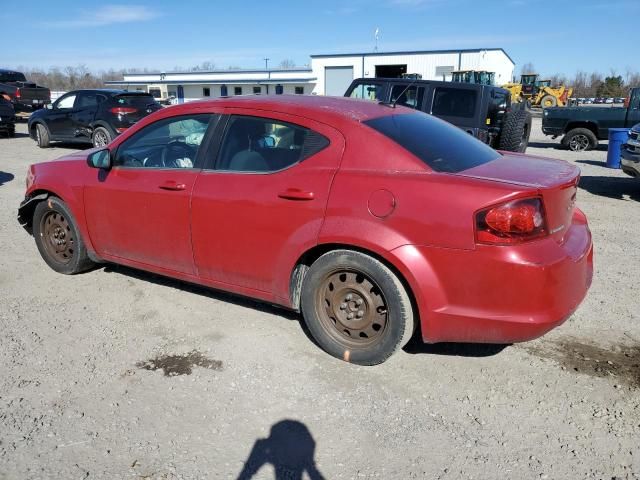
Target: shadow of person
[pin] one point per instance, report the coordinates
(290, 448)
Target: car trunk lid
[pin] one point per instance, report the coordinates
(556, 181)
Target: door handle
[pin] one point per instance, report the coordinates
(172, 185)
(296, 194)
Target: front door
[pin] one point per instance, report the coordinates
(85, 111)
(139, 210)
(262, 204)
(59, 117)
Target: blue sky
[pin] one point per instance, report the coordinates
(591, 35)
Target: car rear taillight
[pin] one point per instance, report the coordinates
(123, 110)
(517, 221)
(18, 93)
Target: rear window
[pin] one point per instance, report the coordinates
(140, 101)
(440, 145)
(454, 102)
(12, 77)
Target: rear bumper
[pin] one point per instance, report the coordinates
(500, 294)
(28, 105)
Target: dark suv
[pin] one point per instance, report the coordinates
(90, 116)
(484, 111)
(7, 117)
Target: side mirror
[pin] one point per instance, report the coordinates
(100, 159)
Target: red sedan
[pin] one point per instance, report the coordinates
(372, 221)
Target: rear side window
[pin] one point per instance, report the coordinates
(441, 146)
(254, 144)
(454, 102)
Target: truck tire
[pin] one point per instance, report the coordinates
(580, 140)
(42, 136)
(515, 131)
(548, 101)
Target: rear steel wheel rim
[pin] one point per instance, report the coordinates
(100, 139)
(579, 143)
(352, 308)
(57, 237)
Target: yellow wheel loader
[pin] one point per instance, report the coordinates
(539, 93)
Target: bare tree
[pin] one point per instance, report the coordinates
(527, 68)
(287, 64)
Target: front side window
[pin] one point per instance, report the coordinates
(253, 144)
(368, 91)
(408, 96)
(168, 143)
(440, 145)
(454, 102)
(66, 102)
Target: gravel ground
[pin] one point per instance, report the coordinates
(122, 374)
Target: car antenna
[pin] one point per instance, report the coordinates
(393, 104)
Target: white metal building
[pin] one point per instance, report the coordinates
(188, 86)
(334, 73)
(328, 75)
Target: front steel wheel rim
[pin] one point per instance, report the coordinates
(100, 139)
(57, 237)
(579, 143)
(352, 308)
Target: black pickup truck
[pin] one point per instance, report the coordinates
(25, 96)
(582, 127)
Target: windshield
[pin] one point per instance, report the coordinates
(12, 77)
(440, 145)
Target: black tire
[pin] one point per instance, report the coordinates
(580, 140)
(381, 316)
(516, 130)
(101, 137)
(549, 101)
(58, 239)
(42, 136)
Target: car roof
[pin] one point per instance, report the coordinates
(311, 106)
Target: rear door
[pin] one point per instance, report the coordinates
(59, 119)
(85, 111)
(263, 201)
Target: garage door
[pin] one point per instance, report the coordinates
(337, 80)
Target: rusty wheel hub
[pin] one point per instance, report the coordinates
(353, 309)
(57, 237)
